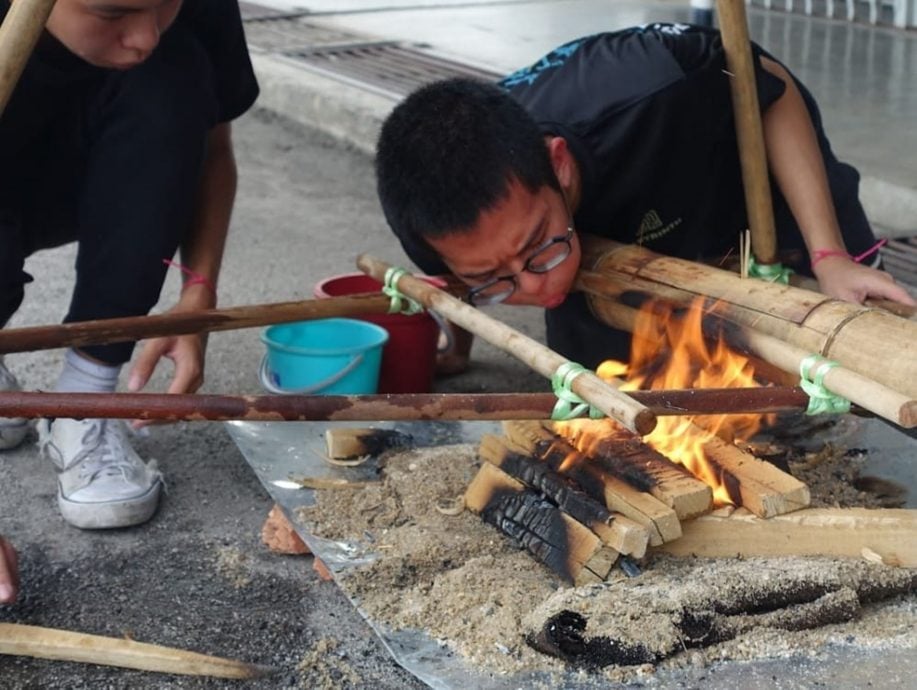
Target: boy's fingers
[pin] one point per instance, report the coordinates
(145, 364)
(9, 572)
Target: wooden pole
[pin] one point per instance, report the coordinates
(64, 645)
(132, 328)
(375, 408)
(19, 33)
(872, 342)
(545, 361)
(861, 390)
(749, 130)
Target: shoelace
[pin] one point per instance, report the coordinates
(103, 452)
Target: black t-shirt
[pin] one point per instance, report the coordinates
(648, 116)
(55, 79)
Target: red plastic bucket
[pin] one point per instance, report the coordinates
(409, 357)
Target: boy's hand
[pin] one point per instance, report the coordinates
(187, 352)
(840, 277)
(9, 572)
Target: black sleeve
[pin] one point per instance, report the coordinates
(697, 48)
(218, 26)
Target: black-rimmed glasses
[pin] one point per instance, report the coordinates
(544, 258)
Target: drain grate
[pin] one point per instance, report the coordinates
(390, 68)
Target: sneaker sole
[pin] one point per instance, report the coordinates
(113, 514)
(12, 434)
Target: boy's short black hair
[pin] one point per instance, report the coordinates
(449, 151)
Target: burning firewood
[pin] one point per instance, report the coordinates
(616, 493)
(625, 455)
(615, 530)
(564, 545)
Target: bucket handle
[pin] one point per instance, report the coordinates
(264, 375)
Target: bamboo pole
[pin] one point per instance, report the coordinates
(861, 390)
(376, 408)
(545, 361)
(872, 342)
(64, 645)
(749, 130)
(19, 33)
(132, 328)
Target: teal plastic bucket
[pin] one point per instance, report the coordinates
(327, 356)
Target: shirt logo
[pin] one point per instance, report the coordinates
(652, 228)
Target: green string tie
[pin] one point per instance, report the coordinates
(772, 273)
(821, 400)
(569, 405)
(390, 288)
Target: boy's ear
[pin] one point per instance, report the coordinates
(562, 161)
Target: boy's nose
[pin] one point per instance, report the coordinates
(143, 33)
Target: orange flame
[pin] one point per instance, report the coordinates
(669, 351)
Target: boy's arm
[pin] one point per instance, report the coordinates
(796, 163)
(201, 254)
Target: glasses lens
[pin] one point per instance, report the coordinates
(492, 293)
(549, 257)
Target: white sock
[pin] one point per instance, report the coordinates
(81, 375)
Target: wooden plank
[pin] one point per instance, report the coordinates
(564, 545)
(344, 443)
(618, 496)
(65, 645)
(844, 532)
(617, 531)
(625, 455)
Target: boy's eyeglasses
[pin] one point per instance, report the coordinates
(545, 257)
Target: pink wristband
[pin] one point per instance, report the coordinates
(192, 277)
(820, 254)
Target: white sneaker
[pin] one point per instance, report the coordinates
(102, 482)
(12, 429)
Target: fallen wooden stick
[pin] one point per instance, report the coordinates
(64, 645)
(388, 407)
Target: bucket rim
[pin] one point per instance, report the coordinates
(382, 337)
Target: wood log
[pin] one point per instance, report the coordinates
(749, 131)
(386, 407)
(129, 329)
(64, 645)
(757, 485)
(841, 532)
(872, 342)
(346, 443)
(617, 495)
(568, 548)
(588, 386)
(866, 393)
(625, 455)
(617, 531)
(21, 28)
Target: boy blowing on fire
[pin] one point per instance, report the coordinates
(118, 137)
(628, 136)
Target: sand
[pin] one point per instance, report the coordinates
(471, 589)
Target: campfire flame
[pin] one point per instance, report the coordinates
(669, 351)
